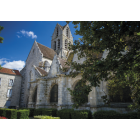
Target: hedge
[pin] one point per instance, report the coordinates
(81, 114)
(23, 114)
(10, 113)
(45, 117)
(114, 115)
(64, 113)
(45, 111)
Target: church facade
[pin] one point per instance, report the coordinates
(44, 83)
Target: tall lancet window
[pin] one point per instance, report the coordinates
(66, 42)
(58, 43)
(67, 31)
(54, 45)
(57, 32)
(69, 43)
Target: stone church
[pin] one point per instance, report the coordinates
(44, 83)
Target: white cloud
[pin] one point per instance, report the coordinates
(17, 65)
(27, 33)
(18, 36)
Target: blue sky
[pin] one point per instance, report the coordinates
(19, 37)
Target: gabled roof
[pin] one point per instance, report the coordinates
(62, 27)
(43, 72)
(47, 52)
(9, 71)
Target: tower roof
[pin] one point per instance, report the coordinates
(62, 27)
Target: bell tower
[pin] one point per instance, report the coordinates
(61, 39)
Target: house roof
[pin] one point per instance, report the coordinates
(10, 71)
(43, 72)
(47, 52)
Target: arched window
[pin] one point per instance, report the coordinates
(124, 98)
(54, 94)
(69, 43)
(79, 88)
(66, 42)
(54, 45)
(57, 32)
(34, 97)
(58, 43)
(67, 31)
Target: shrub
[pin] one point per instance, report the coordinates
(11, 113)
(38, 111)
(45, 117)
(46, 111)
(81, 114)
(3, 118)
(1, 111)
(114, 115)
(106, 115)
(31, 114)
(23, 114)
(64, 113)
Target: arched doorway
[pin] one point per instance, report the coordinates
(54, 94)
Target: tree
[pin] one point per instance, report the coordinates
(1, 39)
(115, 37)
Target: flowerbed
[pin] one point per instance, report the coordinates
(3, 117)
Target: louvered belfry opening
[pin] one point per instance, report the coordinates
(54, 94)
(78, 89)
(35, 96)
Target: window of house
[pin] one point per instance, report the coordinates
(11, 82)
(66, 42)
(58, 43)
(57, 32)
(54, 45)
(67, 31)
(9, 93)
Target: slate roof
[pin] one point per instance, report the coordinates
(43, 72)
(63, 63)
(10, 71)
(47, 52)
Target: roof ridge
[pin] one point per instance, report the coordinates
(44, 45)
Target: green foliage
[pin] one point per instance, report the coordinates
(23, 114)
(11, 113)
(112, 36)
(81, 114)
(1, 38)
(1, 112)
(50, 112)
(45, 111)
(64, 113)
(45, 117)
(114, 115)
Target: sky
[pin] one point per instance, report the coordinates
(19, 37)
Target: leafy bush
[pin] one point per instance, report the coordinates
(11, 113)
(114, 115)
(81, 114)
(38, 111)
(23, 114)
(64, 113)
(1, 111)
(106, 115)
(45, 111)
(45, 117)
(31, 114)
